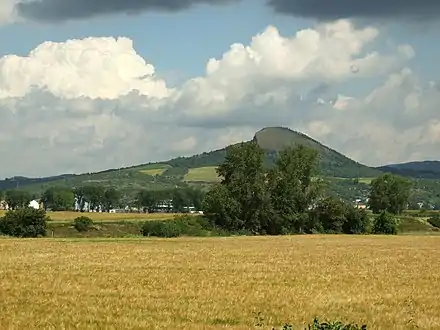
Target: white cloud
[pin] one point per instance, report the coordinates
(92, 104)
(91, 67)
(328, 52)
(7, 12)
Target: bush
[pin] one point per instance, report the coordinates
(434, 221)
(357, 221)
(24, 222)
(385, 223)
(316, 325)
(82, 223)
(181, 225)
(166, 228)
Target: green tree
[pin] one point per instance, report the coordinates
(58, 199)
(110, 199)
(24, 222)
(17, 198)
(385, 223)
(357, 221)
(243, 189)
(82, 223)
(181, 199)
(94, 196)
(390, 193)
(222, 209)
(330, 213)
(293, 189)
(80, 198)
(149, 199)
(196, 197)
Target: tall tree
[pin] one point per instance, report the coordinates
(150, 199)
(110, 199)
(58, 199)
(196, 197)
(243, 188)
(181, 199)
(390, 193)
(94, 196)
(294, 188)
(145, 199)
(16, 198)
(80, 198)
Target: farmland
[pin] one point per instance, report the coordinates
(213, 283)
(154, 169)
(360, 180)
(68, 216)
(202, 174)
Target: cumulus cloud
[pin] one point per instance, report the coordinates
(90, 104)
(338, 9)
(7, 11)
(60, 10)
(91, 67)
(272, 67)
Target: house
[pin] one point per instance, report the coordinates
(34, 204)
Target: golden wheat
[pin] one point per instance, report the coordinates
(215, 283)
(70, 215)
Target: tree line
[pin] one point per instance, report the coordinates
(290, 198)
(99, 198)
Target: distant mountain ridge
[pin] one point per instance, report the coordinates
(428, 169)
(271, 139)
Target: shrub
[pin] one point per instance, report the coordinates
(181, 225)
(82, 223)
(357, 221)
(166, 228)
(24, 222)
(316, 325)
(385, 223)
(434, 221)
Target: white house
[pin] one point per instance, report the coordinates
(34, 204)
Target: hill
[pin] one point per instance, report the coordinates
(273, 140)
(332, 163)
(429, 169)
(347, 178)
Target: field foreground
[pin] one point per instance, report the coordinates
(217, 283)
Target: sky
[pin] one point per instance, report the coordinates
(89, 85)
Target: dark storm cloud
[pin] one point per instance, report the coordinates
(60, 10)
(370, 9)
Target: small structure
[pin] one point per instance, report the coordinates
(34, 204)
(3, 205)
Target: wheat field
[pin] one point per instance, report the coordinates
(203, 174)
(66, 216)
(219, 283)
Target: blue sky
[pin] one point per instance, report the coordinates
(179, 45)
(184, 41)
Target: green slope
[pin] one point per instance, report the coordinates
(332, 163)
(175, 171)
(274, 139)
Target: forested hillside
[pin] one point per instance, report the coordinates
(345, 177)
